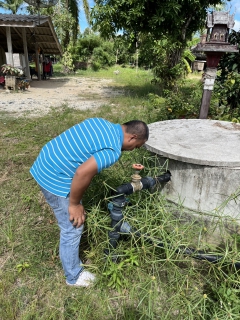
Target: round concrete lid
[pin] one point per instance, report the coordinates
(203, 142)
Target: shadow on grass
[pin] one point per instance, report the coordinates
(129, 313)
(140, 91)
(185, 88)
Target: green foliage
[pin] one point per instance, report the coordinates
(188, 58)
(132, 16)
(67, 61)
(170, 24)
(12, 5)
(104, 55)
(156, 108)
(96, 66)
(169, 61)
(149, 282)
(65, 16)
(182, 102)
(64, 24)
(22, 266)
(180, 105)
(165, 73)
(115, 271)
(227, 105)
(85, 46)
(230, 62)
(176, 19)
(91, 48)
(227, 84)
(123, 48)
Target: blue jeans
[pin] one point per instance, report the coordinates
(70, 237)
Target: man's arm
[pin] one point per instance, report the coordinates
(81, 180)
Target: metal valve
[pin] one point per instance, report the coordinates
(136, 178)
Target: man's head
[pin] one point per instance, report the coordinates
(136, 133)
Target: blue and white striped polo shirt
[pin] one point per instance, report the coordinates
(58, 160)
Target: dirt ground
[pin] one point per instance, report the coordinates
(41, 96)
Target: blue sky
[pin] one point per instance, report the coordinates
(233, 7)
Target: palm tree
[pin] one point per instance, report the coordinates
(72, 7)
(65, 17)
(11, 5)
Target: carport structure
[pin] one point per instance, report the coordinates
(28, 34)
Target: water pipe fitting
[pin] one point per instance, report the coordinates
(136, 178)
(119, 201)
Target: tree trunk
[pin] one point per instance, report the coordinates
(174, 57)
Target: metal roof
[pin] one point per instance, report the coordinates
(39, 32)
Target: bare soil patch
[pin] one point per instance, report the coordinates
(42, 96)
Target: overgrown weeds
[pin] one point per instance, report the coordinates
(147, 282)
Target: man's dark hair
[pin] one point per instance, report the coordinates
(137, 127)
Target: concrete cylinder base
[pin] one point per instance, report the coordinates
(204, 159)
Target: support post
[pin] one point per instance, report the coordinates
(37, 62)
(25, 49)
(209, 80)
(206, 98)
(9, 45)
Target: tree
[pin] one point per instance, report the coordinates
(230, 62)
(71, 7)
(11, 5)
(175, 20)
(124, 48)
(228, 81)
(65, 19)
(91, 48)
(85, 45)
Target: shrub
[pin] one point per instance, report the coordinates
(103, 56)
(227, 105)
(67, 61)
(95, 65)
(184, 102)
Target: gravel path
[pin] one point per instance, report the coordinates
(77, 93)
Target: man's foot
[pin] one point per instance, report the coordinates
(85, 279)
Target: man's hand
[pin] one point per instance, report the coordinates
(77, 214)
(80, 183)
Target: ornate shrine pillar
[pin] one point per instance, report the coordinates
(218, 27)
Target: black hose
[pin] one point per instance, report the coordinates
(196, 254)
(116, 208)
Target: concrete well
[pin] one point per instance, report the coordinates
(204, 159)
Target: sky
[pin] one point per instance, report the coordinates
(233, 6)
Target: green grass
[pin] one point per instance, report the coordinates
(148, 282)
